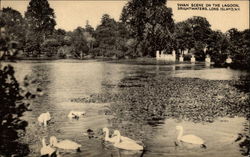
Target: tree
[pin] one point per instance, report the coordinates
(194, 34)
(183, 36)
(150, 23)
(217, 46)
(3, 39)
(14, 25)
(78, 42)
(40, 21)
(12, 108)
(88, 35)
(89, 28)
(106, 34)
(239, 48)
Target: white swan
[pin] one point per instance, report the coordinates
(126, 143)
(189, 138)
(65, 144)
(44, 118)
(122, 138)
(46, 150)
(107, 138)
(75, 114)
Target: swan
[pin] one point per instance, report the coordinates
(122, 138)
(44, 118)
(46, 150)
(189, 138)
(126, 143)
(107, 138)
(65, 144)
(75, 114)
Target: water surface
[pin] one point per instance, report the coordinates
(66, 80)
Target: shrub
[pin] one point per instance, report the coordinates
(12, 108)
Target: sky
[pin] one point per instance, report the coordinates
(70, 14)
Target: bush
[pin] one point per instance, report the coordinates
(12, 108)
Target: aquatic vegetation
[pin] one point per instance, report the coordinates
(151, 97)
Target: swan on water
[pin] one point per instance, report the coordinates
(107, 138)
(44, 118)
(46, 150)
(75, 114)
(192, 139)
(64, 144)
(122, 138)
(126, 143)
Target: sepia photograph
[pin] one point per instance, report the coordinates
(124, 78)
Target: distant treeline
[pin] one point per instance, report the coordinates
(144, 27)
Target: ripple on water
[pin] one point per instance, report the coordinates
(64, 80)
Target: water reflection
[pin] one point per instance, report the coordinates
(218, 136)
(212, 74)
(134, 99)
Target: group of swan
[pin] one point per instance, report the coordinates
(129, 144)
(121, 142)
(116, 139)
(45, 117)
(49, 150)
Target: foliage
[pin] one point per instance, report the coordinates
(239, 48)
(40, 21)
(193, 33)
(14, 25)
(40, 17)
(218, 44)
(89, 28)
(78, 42)
(33, 46)
(3, 40)
(64, 51)
(12, 108)
(150, 23)
(50, 47)
(145, 26)
(109, 38)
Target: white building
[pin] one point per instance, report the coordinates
(166, 57)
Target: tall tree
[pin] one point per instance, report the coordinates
(183, 36)
(106, 34)
(14, 25)
(41, 22)
(193, 33)
(78, 42)
(239, 47)
(217, 46)
(89, 28)
(150, 23)
(40, 17)
(88, 35)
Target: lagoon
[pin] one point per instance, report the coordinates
(144, 101)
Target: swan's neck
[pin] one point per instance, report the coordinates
(118, 139)
(180, 134)
(53, 142)
(43, 142)
(106, 135)
(45, 122)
